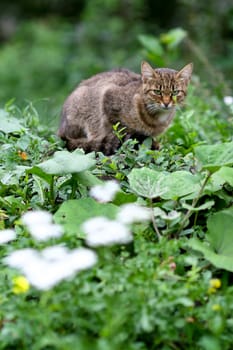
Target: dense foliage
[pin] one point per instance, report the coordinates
(169, 288)
(146, 261)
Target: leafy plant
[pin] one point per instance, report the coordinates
(172, 211)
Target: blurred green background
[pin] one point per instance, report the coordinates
(47, 47)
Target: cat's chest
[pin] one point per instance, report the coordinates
(165, 117)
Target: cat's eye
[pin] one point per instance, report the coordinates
(175, 92)
(157, 92)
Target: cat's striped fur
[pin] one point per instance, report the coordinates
(143, 104)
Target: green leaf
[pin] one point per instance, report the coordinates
(220, 228)
(212, 157)
(179, 184)
(219, 248)
(12, 177)
(10, 124)
(222, 176)
(173, 37)
(74, 212)
(86, 178)
(123, 198)
(64, 162)
(206, 205)
(151, 44)
(151, 184)
(40, 173)
(146, 182)
(218, 260)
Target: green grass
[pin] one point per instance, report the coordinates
(171, 286)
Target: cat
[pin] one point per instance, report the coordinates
(144, 105)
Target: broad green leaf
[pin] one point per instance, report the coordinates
(151, 184)
(64, 162)
(212, 157)
(10, 124)
(219, 248)
(74, 212)
(179, 184)
(146, 182)
(86, 178)
(218, 260)
(223, 175)
(220, 228)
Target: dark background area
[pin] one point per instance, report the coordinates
(47, 47)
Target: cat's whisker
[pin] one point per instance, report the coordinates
(153, 108)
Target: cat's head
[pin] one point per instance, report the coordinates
(164, 88)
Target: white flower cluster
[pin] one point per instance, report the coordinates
(44, 269)
(47, 268)
(102, 231)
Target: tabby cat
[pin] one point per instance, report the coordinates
(143, 104)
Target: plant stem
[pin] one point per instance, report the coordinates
(153, 221)
(194, 203)
(73, 186)
(51, 191)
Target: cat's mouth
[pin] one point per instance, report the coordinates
(166, 106)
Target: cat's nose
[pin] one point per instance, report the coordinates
(166, 101)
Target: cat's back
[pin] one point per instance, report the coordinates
(119, 77)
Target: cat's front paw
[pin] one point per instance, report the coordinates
(155, 146)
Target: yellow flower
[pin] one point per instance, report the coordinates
(216, 307)
(211, 290)
(215, 283)
(20, 285)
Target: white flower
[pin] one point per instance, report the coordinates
(102, 231)
(47, 268)
(54, 253)
(228, 100)
(81, 259)
(21, 258)
(106, 192)
(39, 224)
(37, 217)
(130, 213)
(7, 236)
(45, 231)
(42, 275)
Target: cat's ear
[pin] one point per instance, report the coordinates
(147, 71)
(185, 73)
